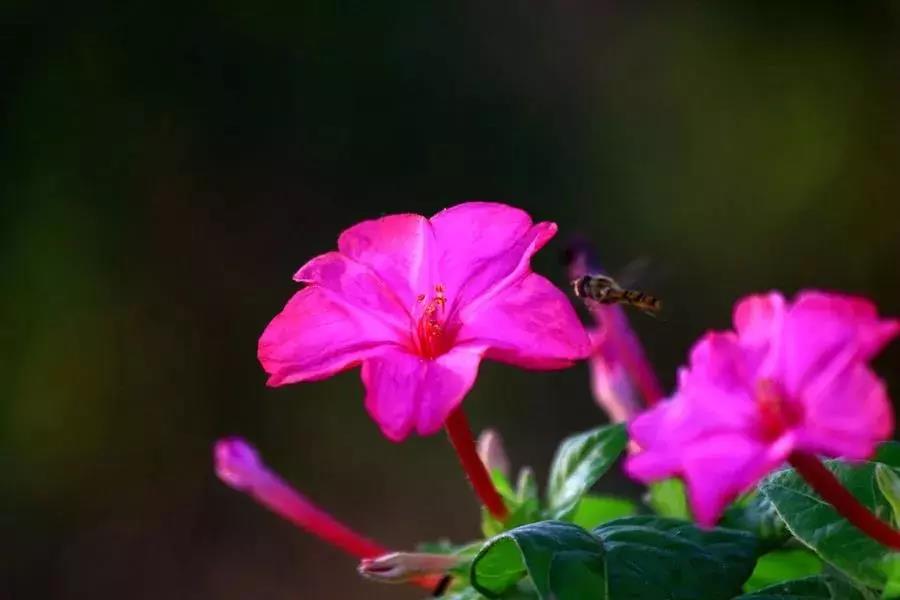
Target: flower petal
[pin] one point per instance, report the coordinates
(719, 386)
(854, 312)
(318, 334)
(819, 327)
(611, 385)
(847, 413)
(719, 468)
(757, 318)
(399, 248)
(530, 324)
(651, 432)
(713, 399)
(404, 391)
(358, 285)
(666, 431)
(759, 322)
(483, 247)
(471, 235)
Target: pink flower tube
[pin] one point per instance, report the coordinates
(239, 466)
(790, 382)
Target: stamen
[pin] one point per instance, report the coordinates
(430, 330)
(777, 414)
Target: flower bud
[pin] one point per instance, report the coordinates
(237, 463)
(400, 567)
(492, 453)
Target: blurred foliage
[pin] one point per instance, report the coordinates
(165, 167)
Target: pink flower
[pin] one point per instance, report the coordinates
(790, 379)
(418, 303)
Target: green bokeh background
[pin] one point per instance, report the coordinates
(164, 169)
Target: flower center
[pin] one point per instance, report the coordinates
(431, 335)
(776, 413)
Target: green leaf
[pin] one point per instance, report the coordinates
(756, 513)
(467, 593)
(470, 593)
(595, 510)
(655, 557)
(668, 499)
(820, 587)
(891, 567)
(579, 462)
(634, 558)
(502, 485)
(564, 562)
(520, 514)
(783, 565)
(889, 485)
(809, 588)
(523, 503)
(819, 526)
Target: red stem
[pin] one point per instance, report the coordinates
(460, 434)
(823, 481)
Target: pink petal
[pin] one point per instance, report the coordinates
(719, 361)
(358, 285)
(658, 457)
(665, 431)
(820, 326)
(470, 236)
(318, 334)
(759, 322)
(611, 384)
(719, 468)
(847, 413)
(855, 312)
(404, 391)
(719, 386)
(758, 318)
(484, 247)
(530, 324)
(399, 248)
(714, 398)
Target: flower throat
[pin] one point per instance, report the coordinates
(431, 336)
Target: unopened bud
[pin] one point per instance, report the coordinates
(237, 463)
(491, 452)
(400, 567)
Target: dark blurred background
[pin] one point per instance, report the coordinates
(165, 168)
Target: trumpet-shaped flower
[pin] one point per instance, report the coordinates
(418, 303)
(790, 378)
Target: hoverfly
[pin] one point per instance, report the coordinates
(606, 290)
